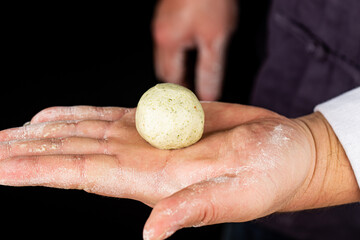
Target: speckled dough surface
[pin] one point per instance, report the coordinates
(169, 116)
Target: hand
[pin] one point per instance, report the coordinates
(81, 147)
(251, 162)
(203, 24)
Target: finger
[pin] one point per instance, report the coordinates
(170, 46)
(79, 113)
(169, 63)
(52, 146)
(210, 68)
(221, 199)
(88, 128)
(60, 171)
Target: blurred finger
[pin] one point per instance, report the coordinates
(210, 68)
(79, 113)
(169, 64)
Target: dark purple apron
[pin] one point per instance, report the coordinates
(313, 54)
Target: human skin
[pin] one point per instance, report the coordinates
(251, 162)
(206, 25)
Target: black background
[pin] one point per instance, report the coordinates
(63, 55)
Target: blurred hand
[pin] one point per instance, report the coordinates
(250, 162)
(203, 24)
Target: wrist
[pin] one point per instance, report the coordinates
(331, 181)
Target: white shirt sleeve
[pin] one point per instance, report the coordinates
(343, 114)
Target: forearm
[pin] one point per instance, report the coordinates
(332, 180)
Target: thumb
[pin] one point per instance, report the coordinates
(208, 202)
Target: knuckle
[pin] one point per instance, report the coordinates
(57, 144)
(105, 146)
(109, 129)
(163, 33)
(101, 111)
(81, 164)
(73, 126)
(207, 214)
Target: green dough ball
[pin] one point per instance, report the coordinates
(169, 116)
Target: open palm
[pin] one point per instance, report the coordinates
(244, 167)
